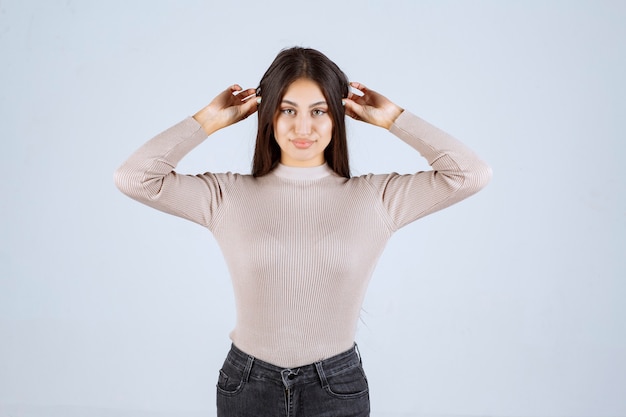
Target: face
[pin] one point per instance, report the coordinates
(302, 126)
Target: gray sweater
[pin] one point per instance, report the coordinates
(301, 243)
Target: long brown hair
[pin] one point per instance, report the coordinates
(288, 66)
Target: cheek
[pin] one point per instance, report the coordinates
(327, 129)
(279, 129)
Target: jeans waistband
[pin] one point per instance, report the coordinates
(256, 368)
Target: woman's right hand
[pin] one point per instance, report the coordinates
(230, 106)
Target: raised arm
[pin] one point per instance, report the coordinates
(149, 176)
(457, 172)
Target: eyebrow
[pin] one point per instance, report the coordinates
(312, 105)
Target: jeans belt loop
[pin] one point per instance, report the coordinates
(322, 375)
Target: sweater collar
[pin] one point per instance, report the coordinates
(298, 173)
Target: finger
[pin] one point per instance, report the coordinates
(358, 86)
(249, 91)
(229, 93)
(361, 100)
(247, 94)
(352, 109)
(248, 108)
(347, 103)
(354, 116)
(367, 95)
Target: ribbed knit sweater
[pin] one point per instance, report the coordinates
(301, 244)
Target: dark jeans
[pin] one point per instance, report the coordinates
(334, 387)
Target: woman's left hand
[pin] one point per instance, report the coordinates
(371, 107)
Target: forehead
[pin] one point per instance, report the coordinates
(304, 90)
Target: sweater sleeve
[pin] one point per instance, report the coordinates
(457, 173)
(148, 176)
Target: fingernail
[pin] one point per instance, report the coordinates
(258, 100)
(343, 102)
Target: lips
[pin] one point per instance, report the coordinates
(302, 143)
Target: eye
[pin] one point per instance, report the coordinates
(288, 112)
(319, 112)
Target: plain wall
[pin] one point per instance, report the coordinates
(510, 303)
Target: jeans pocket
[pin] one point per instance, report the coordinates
(230, 380)
(350, 383)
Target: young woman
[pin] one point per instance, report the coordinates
(301, 237)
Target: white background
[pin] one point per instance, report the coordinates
(509, 304)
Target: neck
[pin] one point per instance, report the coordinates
(302, 173)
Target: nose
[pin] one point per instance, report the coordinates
(303, 125)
